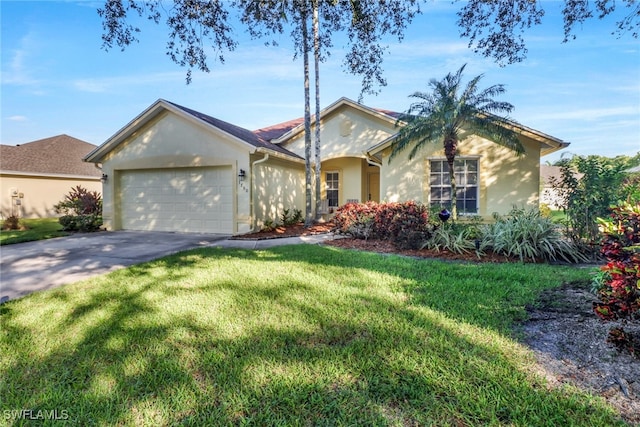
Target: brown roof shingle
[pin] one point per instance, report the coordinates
(60, 154)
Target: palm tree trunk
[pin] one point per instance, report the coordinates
(450, 151)
(316, 53)
(308, 217)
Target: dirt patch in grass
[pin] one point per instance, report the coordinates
(569, 342)
(567, 338)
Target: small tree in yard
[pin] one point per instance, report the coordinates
(619, 287)
(588, 186)
(81, 210)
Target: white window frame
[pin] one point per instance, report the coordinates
(335, 181)
(461, 185)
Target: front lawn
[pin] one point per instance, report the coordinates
(295, 335)
(37, 229)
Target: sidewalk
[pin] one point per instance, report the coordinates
(270, 243)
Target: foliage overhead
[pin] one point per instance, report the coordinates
(191, 23)
(495, 28)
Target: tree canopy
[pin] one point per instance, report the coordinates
(496, 28)
(450, 109)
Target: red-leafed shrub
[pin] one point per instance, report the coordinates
(620, 284)
(81, 210)
(406, 224)
(356, 219)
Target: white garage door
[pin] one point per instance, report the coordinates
(187, 199)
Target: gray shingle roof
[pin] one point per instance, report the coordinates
(60, 154)
(246, 135)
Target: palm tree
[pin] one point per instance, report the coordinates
(442, 115)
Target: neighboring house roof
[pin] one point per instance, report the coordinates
(58, 155)
(240, 134)
(550, 173)
(633, 170)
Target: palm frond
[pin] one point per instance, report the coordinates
(448, 109)
(493, 129)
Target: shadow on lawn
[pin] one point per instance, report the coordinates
(137, 358)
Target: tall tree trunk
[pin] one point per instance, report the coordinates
(450, 151)
(308, 217)
(316, 54)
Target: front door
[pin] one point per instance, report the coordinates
(373, 187)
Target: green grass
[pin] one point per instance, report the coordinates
(557, 216)
(37, 229)
(295, 335)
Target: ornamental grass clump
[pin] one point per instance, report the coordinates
(527, 235)
(456, 238)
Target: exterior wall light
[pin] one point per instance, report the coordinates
(104, 177)
(242, 175)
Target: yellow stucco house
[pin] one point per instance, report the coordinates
(175, 169)
(35, 176)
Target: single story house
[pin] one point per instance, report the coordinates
(37, 175)
(175, 169)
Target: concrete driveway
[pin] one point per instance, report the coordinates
(35, 266)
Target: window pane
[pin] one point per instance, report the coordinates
(436, 166)
(435, 179)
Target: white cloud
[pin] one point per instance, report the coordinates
(110, 84)
(18, 71)
(587, 114)
(17, 118)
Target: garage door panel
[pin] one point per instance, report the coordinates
(193, 200)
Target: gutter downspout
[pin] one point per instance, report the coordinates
(252, 185)
(370, 161)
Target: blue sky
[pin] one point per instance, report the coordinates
(56, 78)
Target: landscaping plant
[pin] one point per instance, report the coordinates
(81, 210)
(587, 187)
(455, 237)
(528, 235)
(13, 222)
(619, 281)
(406, 224)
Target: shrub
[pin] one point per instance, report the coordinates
(269, 225)
(83, 223)
(80, 201)
(356, 219)
(291, 218)
(406, 224)
(619, 288)
(81, 209)
(13, 223)
(587, 187)
(528, 235)
(395, 221)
